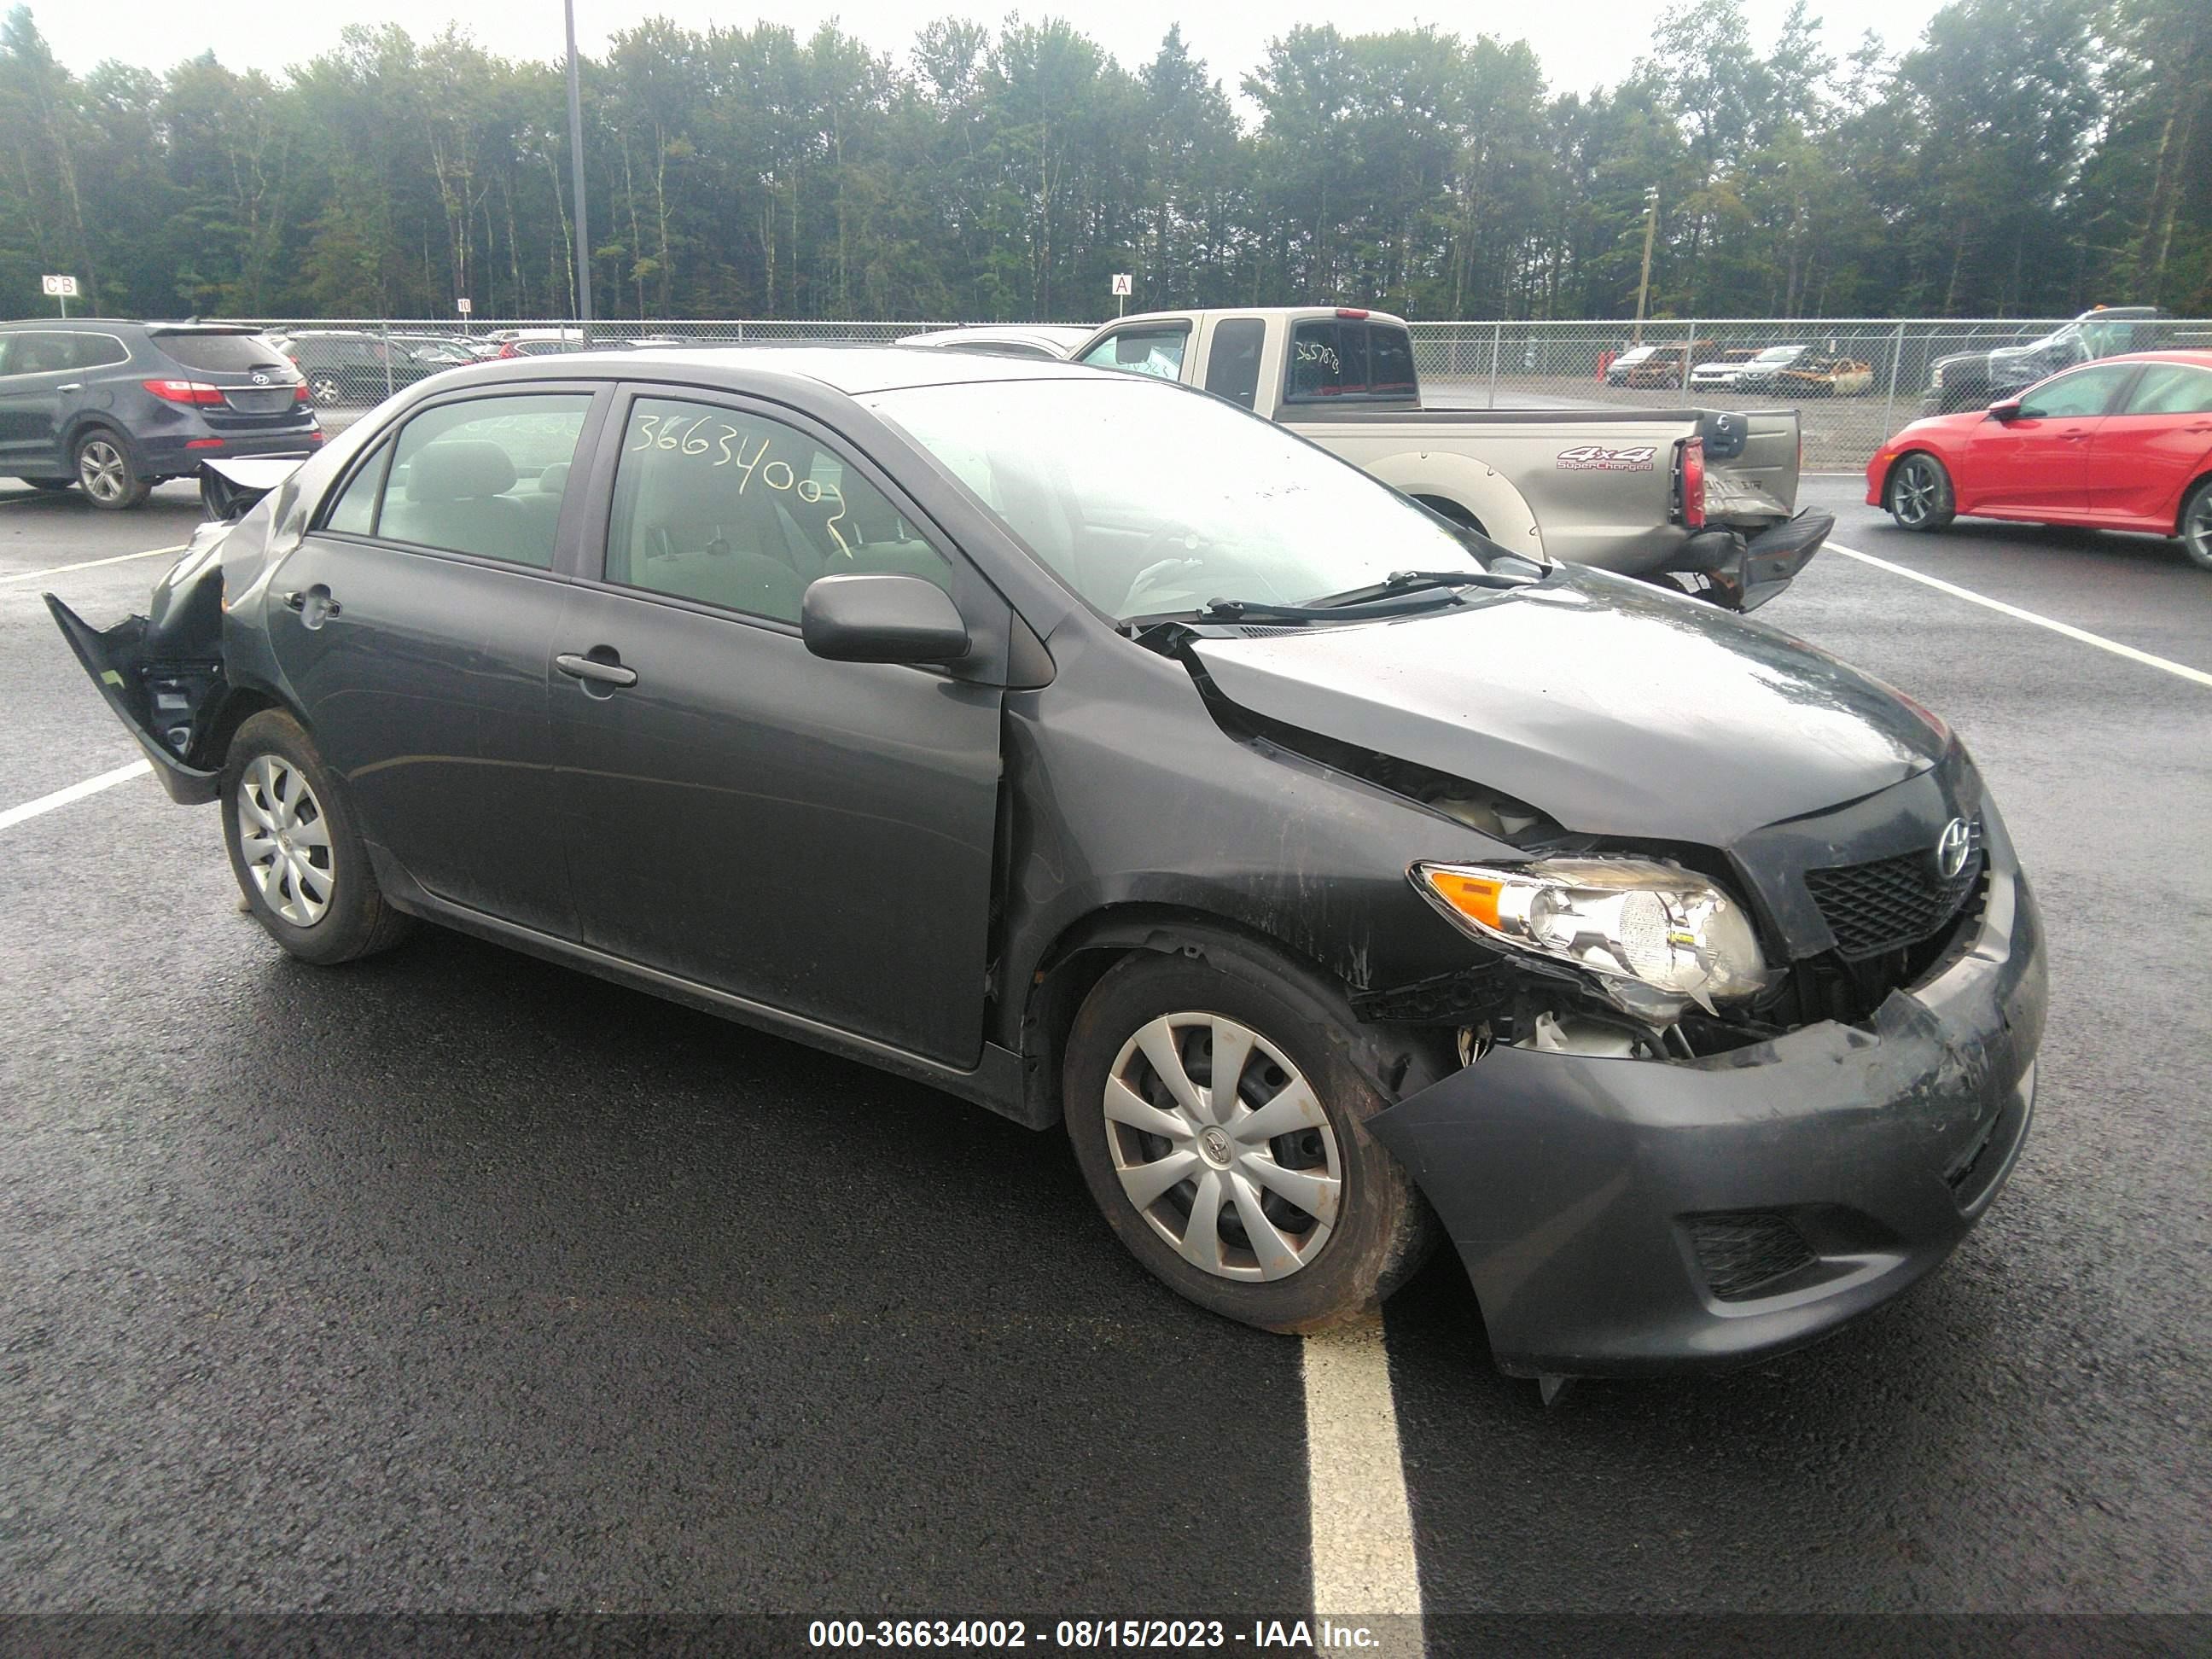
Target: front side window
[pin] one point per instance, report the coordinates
(724, 507)
(485, 477)
(2075, 395)
(1148, 500)
(2171, 389)
(1154, 351)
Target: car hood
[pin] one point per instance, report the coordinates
(1617, 709)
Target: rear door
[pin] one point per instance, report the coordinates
(415, 622)
(35, 364)
(2147, 451)
(812, 836)
(2038, 462)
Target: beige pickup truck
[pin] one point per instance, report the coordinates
(1700, 500)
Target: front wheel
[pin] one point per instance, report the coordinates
(1220, 1122)
(104, 469)
(326, 389)
(1919, 494)
(295, 850)
(2196, 525)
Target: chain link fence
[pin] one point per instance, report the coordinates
(1853, 379)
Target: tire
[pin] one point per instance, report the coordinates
(107, 471)
(326, 388)
(283, 812)
(1329, 1257)
(2196, 525)
(51, 486)
(1918, 494)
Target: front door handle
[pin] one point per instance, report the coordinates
(73, 386)
(315, 606)
(592, 669)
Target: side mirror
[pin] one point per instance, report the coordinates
(881, 616)
(2006, 410)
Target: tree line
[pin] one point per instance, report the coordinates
(2022, 157)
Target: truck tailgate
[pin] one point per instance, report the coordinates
(1760, 481)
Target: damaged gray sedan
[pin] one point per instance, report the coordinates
(1100, 753)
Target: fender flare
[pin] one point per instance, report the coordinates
(1477, 489)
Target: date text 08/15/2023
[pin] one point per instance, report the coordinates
(1124, 1634)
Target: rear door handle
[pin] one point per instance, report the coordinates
(73, 386)
(591, 668)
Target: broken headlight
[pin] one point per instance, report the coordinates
(1656, 937)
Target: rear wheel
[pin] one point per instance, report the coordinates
(1219, 1119)
(1918, 493)
(2196, 525)
(109, 476)
(295, 850)
(324, 388)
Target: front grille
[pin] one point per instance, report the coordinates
(260, 400)
(1742, 1250)
(1892, 902)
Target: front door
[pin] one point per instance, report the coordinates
(2038, 462)
(814, 836)
(416, 621)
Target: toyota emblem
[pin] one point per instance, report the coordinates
(1951, 847)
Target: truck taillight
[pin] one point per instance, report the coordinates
(184, 392)
(1693, 483)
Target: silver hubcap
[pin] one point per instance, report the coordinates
(100, 468)
(327, 392)
(2196, 529)
(1913, 496)
(285, 841)
(1223, 1147)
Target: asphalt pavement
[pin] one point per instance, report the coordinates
(453, 1280)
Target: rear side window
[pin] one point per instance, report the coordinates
(2171, 389)
(1232, 362)
(222, 353)
(37, 352)
(723, 507)
(486, 476)
(99, 351)
(1335, 357)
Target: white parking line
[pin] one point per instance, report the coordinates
(87, 564)
(1362, 1522)
(31, 809)
(2068, 628)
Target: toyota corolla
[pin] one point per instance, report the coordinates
(1096, 751)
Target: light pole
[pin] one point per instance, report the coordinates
(576, 174)
(1643, 282)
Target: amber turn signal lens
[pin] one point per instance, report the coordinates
(1474, 896)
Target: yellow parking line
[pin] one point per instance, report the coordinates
(87, 564)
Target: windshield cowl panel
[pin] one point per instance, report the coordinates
(1151, 500)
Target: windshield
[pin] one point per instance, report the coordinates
(1149, 500)
(1780, 354)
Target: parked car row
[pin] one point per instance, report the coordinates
(1797, 370)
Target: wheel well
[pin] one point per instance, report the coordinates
(1086, 952)
(1899, 459)
(2191, 488)
(1452, 510)
(239, 707)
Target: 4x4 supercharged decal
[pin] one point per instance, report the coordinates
(1585, 457)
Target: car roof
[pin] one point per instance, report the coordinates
(2193, 359)
(852, 370)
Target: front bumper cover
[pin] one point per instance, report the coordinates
(1566, 1181)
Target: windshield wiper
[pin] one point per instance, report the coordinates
(1415, 581)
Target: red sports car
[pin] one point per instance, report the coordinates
(2124, 444)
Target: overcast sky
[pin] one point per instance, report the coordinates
(1581, 43)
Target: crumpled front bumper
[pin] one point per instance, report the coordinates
(1570, 1184)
